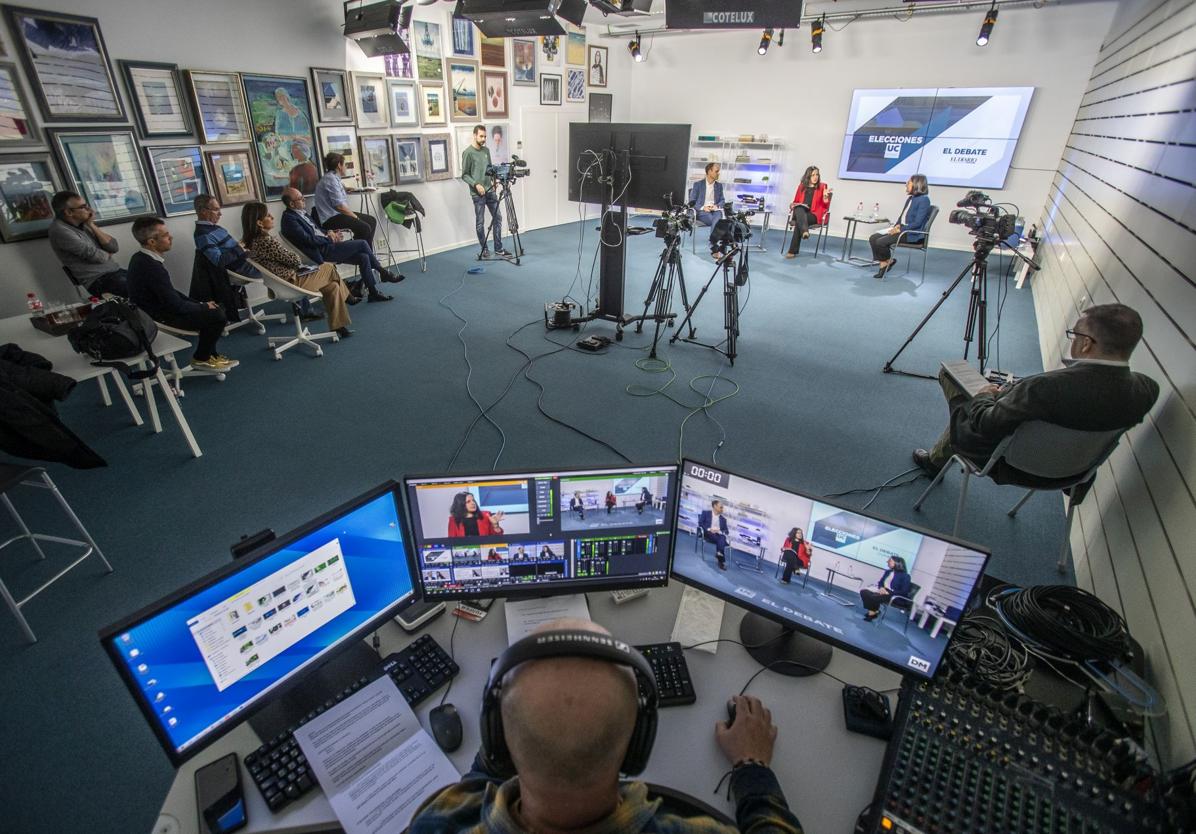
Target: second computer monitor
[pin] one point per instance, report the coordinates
(542, 532)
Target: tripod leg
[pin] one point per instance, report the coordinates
(888, 368)
(982, 318)
(689, 312)
(653, 290)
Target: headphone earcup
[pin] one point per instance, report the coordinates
(643, 736)
(494, 744)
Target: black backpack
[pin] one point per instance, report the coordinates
(113, 331)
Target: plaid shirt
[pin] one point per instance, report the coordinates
(482, 804)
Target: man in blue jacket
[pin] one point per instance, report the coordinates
(707, 197)
(716, 537)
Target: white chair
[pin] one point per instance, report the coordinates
(255, 296)
(347, 271)
(285, 291)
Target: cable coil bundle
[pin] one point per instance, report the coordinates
(981, 649)
(1065, 620)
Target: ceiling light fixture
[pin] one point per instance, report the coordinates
(634, 48)
(986, 28)
(817, 27)
(765, 40)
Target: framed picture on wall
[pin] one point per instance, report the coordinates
(283, 133)
(497, 142)
(438, 156)
(27, 182)
(429, 53)
(219, 106)
(17, 129)
(377, 162)
(575, 49)
(178, 174)
(105, 168)
(369, 100)
(494, 102)
(159, 103)
(601, 105)
(67, 65)
(599, 61)
(575, 85)
(463, 37)
(409, 163)
(550, 51)
(331, 88)
(341, 139)
(494, 52)
(463, 90)
(404, 105)
(523, 59)
(550, 88)
(432, 105)
(233, 177)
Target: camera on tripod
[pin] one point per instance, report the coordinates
(731, 229)
(674, 221)
(508, 172)
(988, 223)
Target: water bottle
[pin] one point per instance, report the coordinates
(36, 308)
(875, 210)
(859, 209)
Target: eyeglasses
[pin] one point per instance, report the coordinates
(1071, 334)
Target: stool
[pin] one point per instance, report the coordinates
(13, 475)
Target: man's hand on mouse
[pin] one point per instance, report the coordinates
(753, 734)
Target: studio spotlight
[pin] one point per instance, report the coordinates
(817, 27)
(634, 48)
(781, 38)
(765, 40)
(986, 28)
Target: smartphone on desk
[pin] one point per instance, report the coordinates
(218, 796)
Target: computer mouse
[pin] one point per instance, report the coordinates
(446, 727)
(730, 712)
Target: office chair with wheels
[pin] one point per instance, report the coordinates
(923, 244)
(286, 291)
(820, 228)
(255, 296)
(901, 603)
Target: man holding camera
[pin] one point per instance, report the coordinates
(476, 172)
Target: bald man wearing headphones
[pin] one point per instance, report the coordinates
(561, 719)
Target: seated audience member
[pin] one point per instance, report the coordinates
(150, 289)
(332, 203)
(645, 500)
(611, 501)
(707, 196)
(716, 537)
(912, 221)
(83, 247)
(566, 772)
(893, 582)
(256, 224)
(465, 519)
(318, 247)
(576, 505)
(1096, 391)
(795, 553)
(217, 252)
(811, 204)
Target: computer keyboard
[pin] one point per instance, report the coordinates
(279, 768)
(673, 683)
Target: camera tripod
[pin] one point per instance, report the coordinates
(668, 274)
(507, 206)
(731, 283)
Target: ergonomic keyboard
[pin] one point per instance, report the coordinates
(279, 768)
(673, 683)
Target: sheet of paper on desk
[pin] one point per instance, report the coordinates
(374, 762)
(699, 619)
(526, 615)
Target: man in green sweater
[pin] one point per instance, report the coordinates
(474, 161)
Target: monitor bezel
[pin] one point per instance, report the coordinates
(748, 606)
(555, 589)
(109, 634)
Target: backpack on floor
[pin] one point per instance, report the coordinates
(113, 331)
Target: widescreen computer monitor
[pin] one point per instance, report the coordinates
(542, 532)
(849, 552)
(204, 658)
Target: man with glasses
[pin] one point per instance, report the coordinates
(1094, 391)
(84, 248)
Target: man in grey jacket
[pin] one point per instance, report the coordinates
(84, 248)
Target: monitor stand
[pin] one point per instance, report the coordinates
(284, 712)
(768, 641)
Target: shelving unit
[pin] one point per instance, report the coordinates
(759, 162)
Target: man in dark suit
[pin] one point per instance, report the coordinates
(1095, 391)
(716, 537)
(150, 289)
(707, 197)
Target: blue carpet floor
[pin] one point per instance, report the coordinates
(284, 441)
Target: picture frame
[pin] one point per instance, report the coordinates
(67, 65)
(159, 101)
(104, 166)
(463, 37)
(178, 174)
(601, 105)
(400, 64)
(462, 90)
(598, 66)
(341, 139)
(233, 175)
(438, 157)
(27, 182)
(404, 103)
(432, 105)
(549, 54)
(499, 143)
(17, 127)
(494, 52)
(330, 90)
(550, 89)
(377, 161)
(496, 99)
(369, 100)
(220, 114)
(575, 85)
(283, 132)
(523, 62)
(575, 49)
(409, 163)
(429, 51)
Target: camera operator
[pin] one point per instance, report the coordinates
(706, 195)
(915, 212)
(475, 162)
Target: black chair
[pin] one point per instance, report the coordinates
(901, 603)
(683, 805)
(84, 293)
(923, 244)
(798, 568)
(820, 228)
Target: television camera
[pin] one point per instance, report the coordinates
(675, 220)
(731, 230)
(983, 220)
(505, 175)
(508, 172)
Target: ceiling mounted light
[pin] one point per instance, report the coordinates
(765, 40)
(781, 38)
(817, 27)
(634, 48)
(986, 28)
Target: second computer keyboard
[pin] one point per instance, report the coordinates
(673, 683)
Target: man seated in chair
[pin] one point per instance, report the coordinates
(707, 197)
(576, 505)
(84, 248)
(1095, 391)
(541, 769)
(217, 252)
(716, 537)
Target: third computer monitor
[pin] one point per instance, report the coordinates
(542, 532)
(849, 551)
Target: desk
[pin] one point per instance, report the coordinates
(828, 773)
(78, 367)
(929, 609)
(831, 573)
(849, 238)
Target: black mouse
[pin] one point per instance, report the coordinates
(446, 727)
(730, 713)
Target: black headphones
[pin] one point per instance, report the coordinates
(570, 643)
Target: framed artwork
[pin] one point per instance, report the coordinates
(341, 139)
(399, 65)
(17, 129)
(463, 37)
(219, 106)
(177, 172)
(280, 118)
(433, 107)
(550, 50)
(575, 49)
(331, 88)
(369, 100)
(464, 138)
(429, 53)
(601, 105)
(463, 90)
(27, 182)
(523, 57)
(233, 177)
(377, 162)
(494, 52)
(409, 163)
(438, 157)
(105, 168)
(404, 104)
(495, 104)
(156, 91)
(497, 142)
(550, 88)
(575, 85)
(599, 61)
(67, 65)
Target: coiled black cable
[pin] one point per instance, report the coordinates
(982, 649)
(1069, 621)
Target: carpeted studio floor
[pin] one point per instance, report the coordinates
(284, 441)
